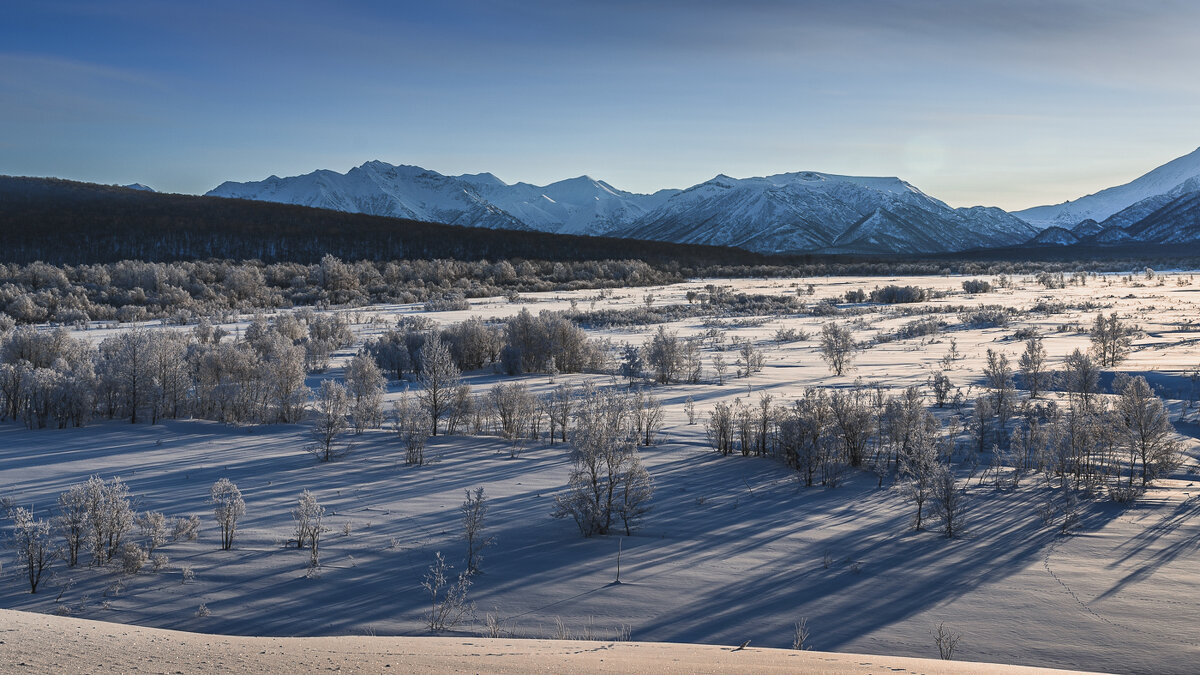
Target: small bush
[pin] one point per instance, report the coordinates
(856, 296)
(133, 558)
(976, 286)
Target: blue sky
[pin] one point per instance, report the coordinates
(1012, 103)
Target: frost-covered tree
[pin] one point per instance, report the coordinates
(110, 516)
(664, 355)
(1145, 430)
(720, 367)
(331, 408)
(632, 364)
(997, 374)
(604, 457)
(31, 541)
(1111, 339)
(1081, 379)
(1033, 366)
(71, 523)
(474, 510)
(948, 503)
(749, 360)
(919, 466)
(153, 527)
(439, 378)
(411, 423)
(228, 508)
(836, 347)
(365, 383)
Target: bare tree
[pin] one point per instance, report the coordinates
(31, 541)
(1082, 379)
(308, 515)
(664, 356)
(439, 378)
(474, 509)
(604, 457)
(1111, 339)
(1146, 430)
(720, 367)
(448, 603)
(945, 640)
(72, 521)
(1033, 366)
(836, 347)
(228, 507)
(411, 423)
(949, 503)
(332, 407)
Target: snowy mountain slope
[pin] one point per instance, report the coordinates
(139, 186)
(1101, 205)
(1055, 236)
(576, 206)
(1172, 222)
(809, 211)
(381, 189)
(790, 212)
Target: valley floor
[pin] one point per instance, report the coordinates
(735, 548)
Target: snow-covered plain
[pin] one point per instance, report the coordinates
(734, 549)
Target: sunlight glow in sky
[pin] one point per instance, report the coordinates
(1009, 103)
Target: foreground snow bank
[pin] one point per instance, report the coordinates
(41, 643)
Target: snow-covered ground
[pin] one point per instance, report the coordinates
(734, 549)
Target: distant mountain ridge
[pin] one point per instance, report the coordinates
(785, 213)
(1151, 191)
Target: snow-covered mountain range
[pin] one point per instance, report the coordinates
(1171, 180)
(797, 212)
(1161, 207)
(793, 212)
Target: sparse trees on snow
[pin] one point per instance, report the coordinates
(1033, 366)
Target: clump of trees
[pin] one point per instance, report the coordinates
(608, 483)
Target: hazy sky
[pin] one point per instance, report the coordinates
(1011, 103)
